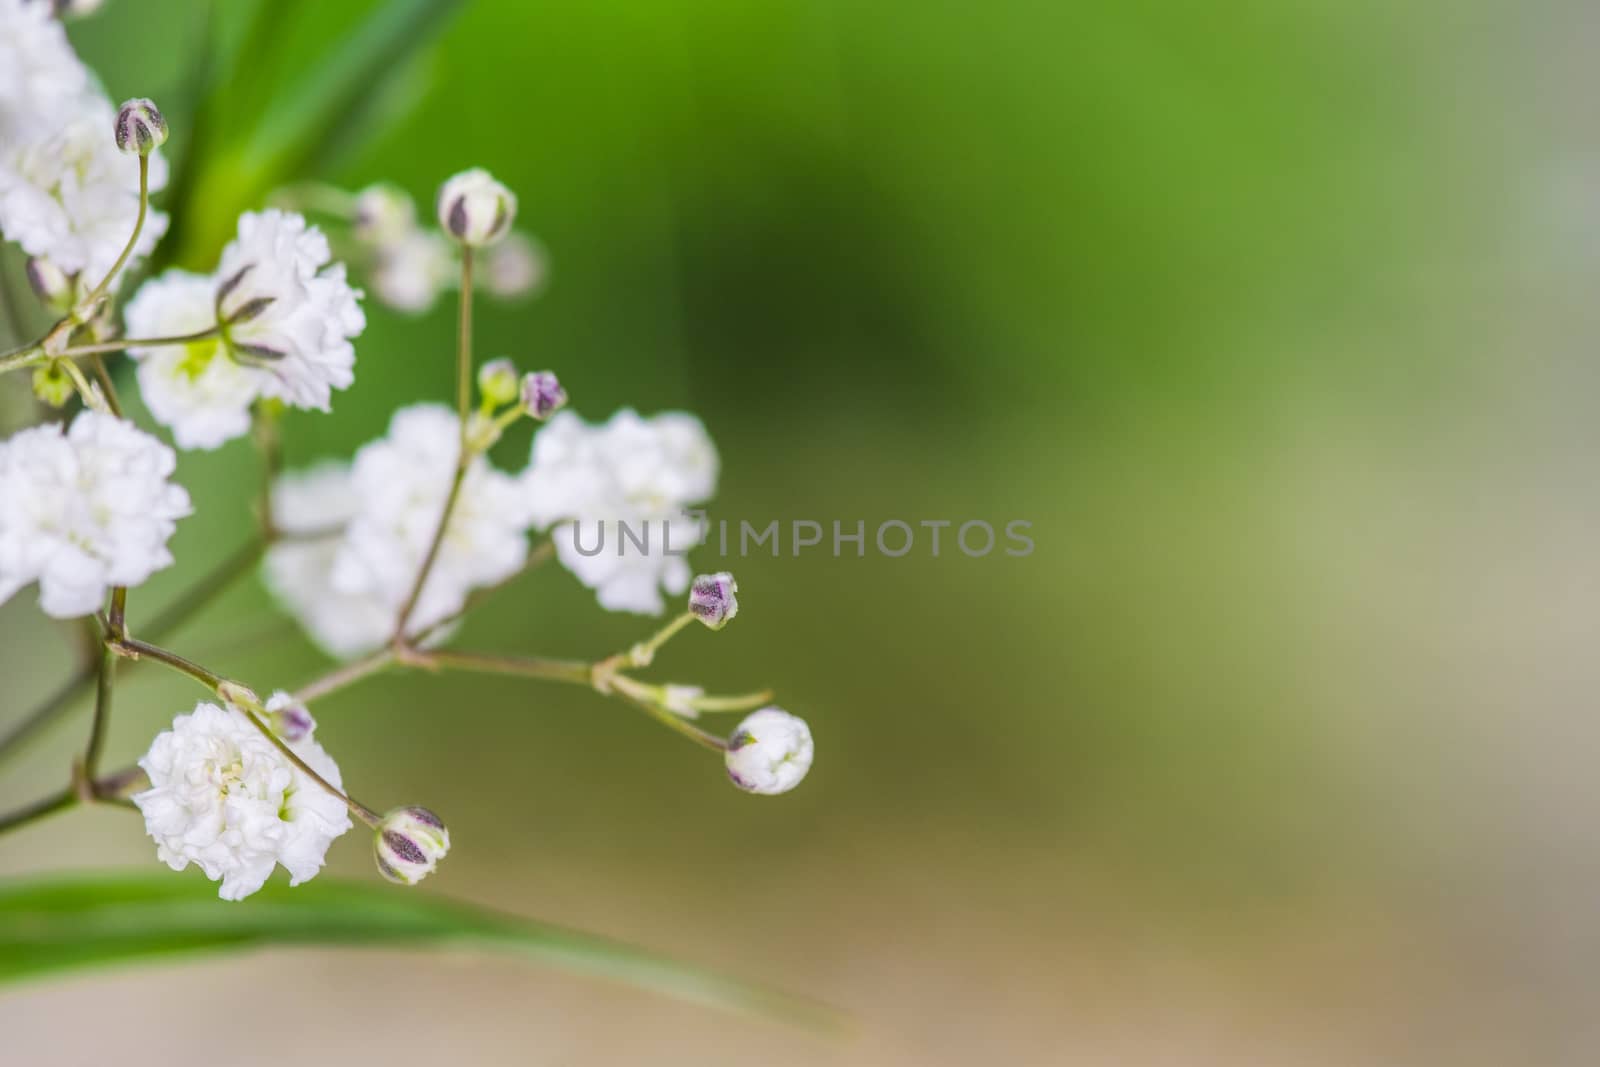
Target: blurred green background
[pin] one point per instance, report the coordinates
(1275, 320)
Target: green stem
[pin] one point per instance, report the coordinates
(358, 809)
(107, 387)
(433, 549)
(552, 670)
(625, 687)
(51, 804)
(87, 307)
(133, 648)
(102, 713)
(346, 675)
(464, 347)
(139, 342)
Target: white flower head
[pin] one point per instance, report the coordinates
(197, 390)
(85, 510)
(313, 507)
(617, 495)
(68, 194)
(41, 77)
(400, 484)
(285, 311)
(770, 752)
(224, 798)
(475, 209)
(412, 269)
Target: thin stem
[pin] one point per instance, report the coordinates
(102, 714)
(189, 602)
(25, 356)
(625, 687)
(139, 342)
(59, 801)
(360, 810)
(464, 347)
(79, 382)
(133, 648)
(119, 612)
(433, 549)
(742, 702)
(94, 298)
(107, 387)
(553, 670)
(346, 675)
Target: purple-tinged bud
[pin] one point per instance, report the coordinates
(475, 209)
(770, 752)
(711, 599)
(542, 394)
(289, 720)
(75, 9)
(139, 128)
(409, 844)
(52, 285)
(498, 381)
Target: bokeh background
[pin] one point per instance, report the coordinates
(1276, 320)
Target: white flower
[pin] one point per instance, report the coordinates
(197, 390)
(224, 798)
(515, 267)
(312, 508)
(41, 78)
(83, 511)
(286, 312)
(285, 333)
(68, 194)
(412, 270)
(400, 484)
(770, 752)
(608, 488)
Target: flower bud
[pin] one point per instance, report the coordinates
(475, 209)
(383, 214)
(409, 844)
(514, 267)
(498, 381)
(51, 284)
(140, 129)
(75, 9)
(711, 599)
(770, 752)
(679, 699)
(542, 394)
(52, 385)
(290, 721)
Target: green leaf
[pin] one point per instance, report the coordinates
(63, 923)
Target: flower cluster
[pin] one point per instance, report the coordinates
(377, 557)
(67, 194)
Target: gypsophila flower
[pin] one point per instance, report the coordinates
(286, 320)
(770, 752)
(140, 127)
(712, 600)
(542, 394)
(85, 510)
(409, 843)
(475, 209)
(400, 484)
(312, 508)
(590, 481)
(68, 194)
(42, 80)
(516, 267)
(224, 798)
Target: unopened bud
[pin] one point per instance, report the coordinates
(770, 752)
(514, 267)
(290, 721)
(409, 844)
(498, 381)
(240, 696)
(383, 214)
(75, 9)
(542, 394)
(711, 599)
(140, 129)
(51, 284)
(475, 209)
(679, 699)
(52, 385)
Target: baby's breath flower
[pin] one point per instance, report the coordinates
(409, 844)
(515, 267)
(84, 510)
(770, 752)
(475, 209)
(223, 797)
(140, 127)
(590, 480)
(712, 600)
